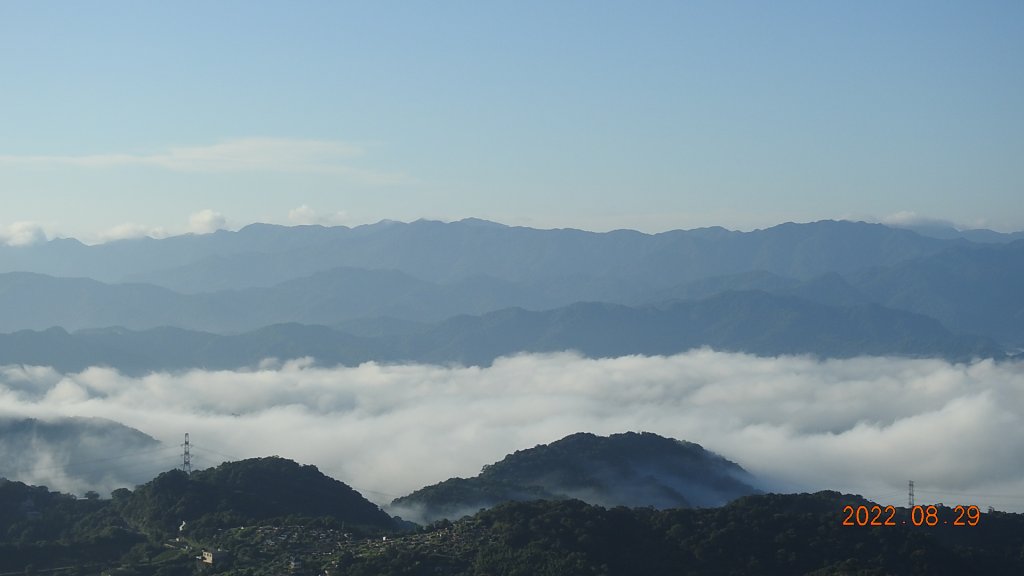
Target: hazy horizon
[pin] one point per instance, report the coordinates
(127, 119)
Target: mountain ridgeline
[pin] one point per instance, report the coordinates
(630, 469)
(471, 291)
(265, 255)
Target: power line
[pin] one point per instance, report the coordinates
(361, 491)
(974, 494)
(204, 449)
(78, 463)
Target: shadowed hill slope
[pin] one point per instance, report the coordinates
(630, 469)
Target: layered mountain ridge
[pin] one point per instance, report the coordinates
(471, 291)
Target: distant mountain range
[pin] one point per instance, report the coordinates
(754, 322)
(631, 469)
(265, 255)
(472, 290)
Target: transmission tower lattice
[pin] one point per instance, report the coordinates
(910, 494)
(186, 457)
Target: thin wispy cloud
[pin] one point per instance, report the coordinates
(864, 425)
(304, 215)
(908, 218)
(130, 230)
(237, 155)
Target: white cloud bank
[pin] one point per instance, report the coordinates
(863, 425)
(22, 234)
(206, 221)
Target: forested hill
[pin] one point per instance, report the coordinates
(630, 469)
(760, 534)
(241, 493)
(765, 534)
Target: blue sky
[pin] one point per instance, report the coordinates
(127, 118)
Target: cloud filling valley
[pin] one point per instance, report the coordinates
(864, 425)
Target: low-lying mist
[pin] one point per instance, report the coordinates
(864, 425)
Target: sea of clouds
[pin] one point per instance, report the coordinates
(863, 425)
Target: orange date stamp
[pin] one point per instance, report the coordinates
(919, 516)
